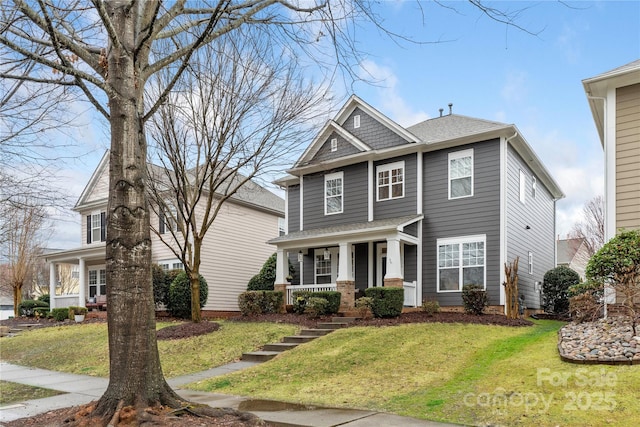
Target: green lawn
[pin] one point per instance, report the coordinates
(83, 349)
(468, 374)
(14, 392)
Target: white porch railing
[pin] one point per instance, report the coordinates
(62, 301)
(409, 293)
(312, 288)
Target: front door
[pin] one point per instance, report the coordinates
(381, 263)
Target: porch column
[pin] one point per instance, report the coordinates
(345, 283)
(82, 292)
(53, 278)
(394, 277)
(280, 284)
(82, 279)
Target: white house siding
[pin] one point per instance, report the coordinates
(628, 157)
(101, 188)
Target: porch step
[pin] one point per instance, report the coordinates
(332, 325)
(316, 332)
(345, 319)
(259, 356)
(280, 346)
(299, 339)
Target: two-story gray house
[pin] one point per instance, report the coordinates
(431, 207)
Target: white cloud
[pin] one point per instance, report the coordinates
(569, 43)
(515, 87)
(389, 100)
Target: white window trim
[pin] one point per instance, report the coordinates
(329, 177)
(530, 262)
(534, 187)
(98, 283)
(460, 240)
(99, 227)
(389, 167)
(333, 269)
(170, 263)
(356, 121)
(459, 155)
(334, 144)
(523, 184)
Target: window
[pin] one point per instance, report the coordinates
(333, 202)
(390, 181)
(461, 174)
(281, 228)
(168, 219)
(523, 183)
(530, 262)
(334, 144)
(97, 282)
(96, 223)
(171, 264)
(322, 268)
(461, 261)
(356, 121)
(534, 187)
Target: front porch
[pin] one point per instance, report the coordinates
(352, 258)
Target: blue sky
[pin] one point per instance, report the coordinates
(487, 70)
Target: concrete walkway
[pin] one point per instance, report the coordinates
(82, 389)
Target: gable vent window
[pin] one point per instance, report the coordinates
(334, 145)
(356, 122)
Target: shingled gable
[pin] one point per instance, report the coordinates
(88, 196)
(337, 125)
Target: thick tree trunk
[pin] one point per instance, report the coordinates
(135, 374)
(17, 298)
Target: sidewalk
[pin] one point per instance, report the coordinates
(82, 389)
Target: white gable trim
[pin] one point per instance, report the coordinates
(330, 127)
(88, 189)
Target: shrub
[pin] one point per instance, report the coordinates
(260, 302)
(41, 311)
(179, 301)
(585, 307)
(387, 302)
(73, 310)
(300, 301)
(160, 284)
(594, 288)
(363, 307)
(45, 298)
(333, 299)
(555, 289)
(264, 280)
(316, 306)
(60, 314)
(27, 307)
(430, 307)
(474, 298)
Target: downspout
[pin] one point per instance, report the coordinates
(607, 217)
(503, 213)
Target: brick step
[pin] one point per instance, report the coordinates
(332, 325)
(280, 346)
(259, 356)
(344, 319)
(299, 339)
(316, 332)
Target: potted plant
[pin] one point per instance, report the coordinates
(78, 313)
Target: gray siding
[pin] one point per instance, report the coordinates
(293, 209)
(539, 215)
(344, 149)
(362, 264)
(412, 229)
(475, 215)
(373, 133)
(403, 206)
(410, 263)
(354, 198)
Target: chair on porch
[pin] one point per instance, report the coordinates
(100, 303)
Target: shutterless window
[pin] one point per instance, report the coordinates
(356, 122)
(461, 262)
(461, 174)
(322, 268)
(523, 183)
(390, 181)
(333, 202)
(530, 262)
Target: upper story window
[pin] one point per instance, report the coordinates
(356, 121)
(390, 181)
(333, 201)
(523, 184)
(461, 174)
(461, 261)
(534, 187)
(96, 227)
(334, 144)
(168, 219)
(281, 227)
(530, 262)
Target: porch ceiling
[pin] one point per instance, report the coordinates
(71, 256)
(356, 231)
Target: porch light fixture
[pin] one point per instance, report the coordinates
(300, 256)
(327, 254)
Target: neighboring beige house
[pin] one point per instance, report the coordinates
(573, 253)
(614, 98)
(233, 250)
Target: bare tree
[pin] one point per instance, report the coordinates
(22, 246)
(591, 229)
(241, 110)
(108, 51)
